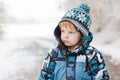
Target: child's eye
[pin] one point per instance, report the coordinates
(62, 31)
(71, 32)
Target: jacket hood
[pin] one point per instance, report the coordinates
(84, 43)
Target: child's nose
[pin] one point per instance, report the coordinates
(66, 35)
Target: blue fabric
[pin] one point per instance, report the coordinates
(70, 68)
(60, 71)
(56, 67)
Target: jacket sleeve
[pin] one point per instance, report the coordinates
(47, 71)
(98, 67)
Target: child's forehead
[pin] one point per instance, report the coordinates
(67, 24)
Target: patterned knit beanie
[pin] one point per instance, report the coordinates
(79, 17)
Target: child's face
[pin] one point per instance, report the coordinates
(70, 36)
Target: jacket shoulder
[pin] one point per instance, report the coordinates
(92, 52)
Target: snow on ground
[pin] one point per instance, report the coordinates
(9, 61)
(21, 59)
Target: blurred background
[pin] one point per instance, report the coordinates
(26, 34)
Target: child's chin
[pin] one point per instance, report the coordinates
(67, 44)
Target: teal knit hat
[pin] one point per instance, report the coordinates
(79, 17)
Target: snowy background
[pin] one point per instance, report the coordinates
(28, 27)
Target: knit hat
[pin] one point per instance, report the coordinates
(79, 17)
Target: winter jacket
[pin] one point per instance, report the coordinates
(55, 65)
